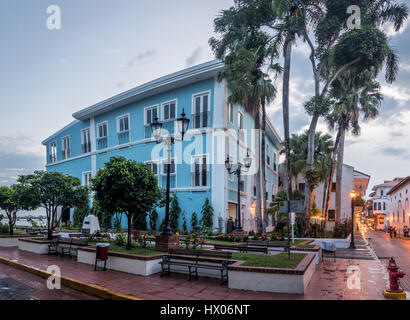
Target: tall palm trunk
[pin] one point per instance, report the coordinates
(263, 158)
(258, 176)
(330, 181)
(309, 192)
(339, 174)
(285, 109)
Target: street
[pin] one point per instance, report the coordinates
(384, 247)
(20, 285)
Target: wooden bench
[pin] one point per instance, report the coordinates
(241, 248)
(74, 244)
(267, 243)
(194, 259)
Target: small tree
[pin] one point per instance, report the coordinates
(79, 214)
(194, 222)
(184, 225)
(51, 190)
(128, 187)
(104, 217)
(13, 199)
(207, 215)
(162, 225)
(153, 217)
(174, 213)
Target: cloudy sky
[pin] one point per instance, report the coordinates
(108, 46)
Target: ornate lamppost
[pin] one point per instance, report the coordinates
(156, 127)
(229, 167)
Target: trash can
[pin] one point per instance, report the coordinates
(101, 254)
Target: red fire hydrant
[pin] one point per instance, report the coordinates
(394, 275)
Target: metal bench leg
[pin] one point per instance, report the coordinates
(189, 278)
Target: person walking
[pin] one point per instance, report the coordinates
(391, 232)
(406, 231)
(395, 232)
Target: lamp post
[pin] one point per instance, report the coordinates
(169, 140)
(228, 164)
(353, 195)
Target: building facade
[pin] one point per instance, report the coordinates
(399, 195)
(120, 126)
(351, 180)
(380, 201)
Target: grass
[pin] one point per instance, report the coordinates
(15, 233)
(270, 261)
(137, 250)
(306, 246)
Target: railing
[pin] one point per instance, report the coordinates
(123, 137)
(102, 143)
(200, 120)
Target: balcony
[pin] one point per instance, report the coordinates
(200, 120)
(102, 143)
(123, 137)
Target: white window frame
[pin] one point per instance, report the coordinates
(163, 164)
(230, 113)
(89, 137)
(50, 149)
(163, 104)
(118, 123)
(66, 152)
(84, 181)
(98, 130)
(149, 162)
(145, 113)
(193, 111)
(200, 157)
(241, 131)
(268, 155)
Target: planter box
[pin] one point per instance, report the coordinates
(130, 263)
(293, 281)
(340, 243)
(32, 245)
(12, 241)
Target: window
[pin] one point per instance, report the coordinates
(230, 113)
(267, 154)
(165, 170)
(334, 187)
(200, 111)
(169, 111)
(123, 129)
(199, 171)
(274, 161)
(153, 166)
(381, 192)
(240, 126)
(123, 124)
(273, 192)
(85, 141)
(53, 152)
(102, 135)
(384, 206)
(66, 147)
(379, 206)
(242, 185)
(87, 179)
(301, 187)
(375, 206)
(150, 114)
(331, 215)
(172, 172)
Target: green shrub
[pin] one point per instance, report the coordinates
(4, 228)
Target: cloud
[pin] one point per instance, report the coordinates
(18, 156)
(195, 57)
(396, 152)
(141, 57)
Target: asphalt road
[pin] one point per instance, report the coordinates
(21, 285)
(384, 247)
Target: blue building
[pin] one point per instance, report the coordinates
(120, 125)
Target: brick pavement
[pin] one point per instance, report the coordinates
(328, 283)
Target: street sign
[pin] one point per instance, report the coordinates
(292, 218)
(295, 206)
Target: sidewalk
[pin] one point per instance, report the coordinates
(328, 283)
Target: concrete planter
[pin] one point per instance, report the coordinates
(340, 243)
(32, 245)
(130, 263)
(11, 241)
(293, 281)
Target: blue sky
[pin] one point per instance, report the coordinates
(106, 47)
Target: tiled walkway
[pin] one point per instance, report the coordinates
(329, 282)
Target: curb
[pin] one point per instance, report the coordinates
(91, 289)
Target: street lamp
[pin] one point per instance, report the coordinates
(229, 167)
(353, 195)
(169, 140)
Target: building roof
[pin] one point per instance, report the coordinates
(399, 185)
(172, 81)
(391, 183)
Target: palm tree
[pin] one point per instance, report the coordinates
(353, 96)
